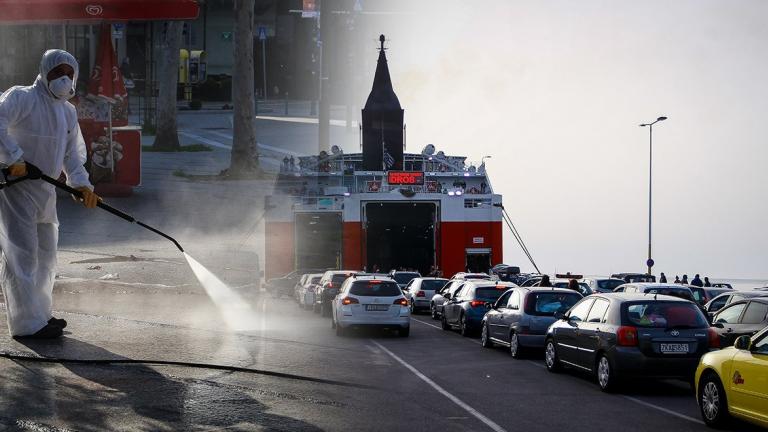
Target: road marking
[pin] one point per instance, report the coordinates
(440, 328)
(205, 140)
(442, 391)
(668, 411)
(305, 120)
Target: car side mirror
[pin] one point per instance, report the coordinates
(489, 306)
(743, 343)
(560, 315)
(447, 296)
(718, 325)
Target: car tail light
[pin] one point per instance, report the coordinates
(420, 294)
(401, 302)
(714, 338)
(375, 281)
(626, 336)
(477, 303)
(349, 301)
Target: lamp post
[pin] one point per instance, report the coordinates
(650, 262)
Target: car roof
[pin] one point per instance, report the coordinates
(432, 278)
(565, 281)
(370, 277)
(480, 283)
(550, 289)
(652, 285)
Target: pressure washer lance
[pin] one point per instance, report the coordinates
(34, 173)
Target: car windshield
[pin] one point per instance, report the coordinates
(547, 303)
(375, 288)
(432, 284)
(683, 293)
(490, 293)
(403, 277)
(659, 314)
(609, 284)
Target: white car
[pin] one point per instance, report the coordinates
(420, 291)
(603, 285)
(366, 301)
(306, 292)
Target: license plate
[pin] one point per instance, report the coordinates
(673, 348)
(375, 307)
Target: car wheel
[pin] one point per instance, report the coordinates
(412, 307)
(463, 326)
(404, 332)
(551, 360)
(340, 331)
(606, 375)
(485, 338)
(433, 311)
(712, 401)
(333, 322)
(515, 350)
(444, 323)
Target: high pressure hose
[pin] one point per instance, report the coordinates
(34, 173)
(28, 358)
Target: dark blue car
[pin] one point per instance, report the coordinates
(465, 309)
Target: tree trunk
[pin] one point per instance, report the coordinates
(167, 137)
(244, 157)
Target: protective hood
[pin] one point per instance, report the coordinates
(53, 58)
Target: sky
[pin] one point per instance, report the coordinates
(554, 91)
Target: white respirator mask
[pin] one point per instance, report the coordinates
(62, 88)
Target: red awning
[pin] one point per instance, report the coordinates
(34, 11)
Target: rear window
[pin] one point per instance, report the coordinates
(404, 278)
(339, 278)
(546, 304)
(490, 293)
(316, 279)
(375, 289)
(657, 314)
(609, 285)
(432, 285)
(683, 293)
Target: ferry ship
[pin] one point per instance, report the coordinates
(383, 209)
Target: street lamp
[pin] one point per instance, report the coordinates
(650, 262)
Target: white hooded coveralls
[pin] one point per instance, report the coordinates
(39, 128)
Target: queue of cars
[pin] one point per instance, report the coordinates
(718, 341)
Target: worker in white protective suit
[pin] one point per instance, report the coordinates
(39, 126)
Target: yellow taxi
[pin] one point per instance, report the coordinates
(734, 382)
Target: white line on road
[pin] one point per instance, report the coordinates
(205, 140)
(442, 391)
(305, 120)
(668, 411)
(641, 402)
(229, 137)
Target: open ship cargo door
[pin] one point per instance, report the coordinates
(318, 240)
(399, 235)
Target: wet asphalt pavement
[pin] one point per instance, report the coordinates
(433, 380)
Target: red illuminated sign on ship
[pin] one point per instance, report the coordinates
(405, 178)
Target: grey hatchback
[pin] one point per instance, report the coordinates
(618, 336)
(520, 318)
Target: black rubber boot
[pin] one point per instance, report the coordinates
(50, 331)
(58, 322)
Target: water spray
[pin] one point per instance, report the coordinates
(34, 173)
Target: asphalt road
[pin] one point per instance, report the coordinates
(433, 380)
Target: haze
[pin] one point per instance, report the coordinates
(555, 91)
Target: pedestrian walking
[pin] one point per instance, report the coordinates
(663, 278)
(677, 279)
(696, 281)
(38, 126)
(706, 282)
(545, 282)
(685, 280)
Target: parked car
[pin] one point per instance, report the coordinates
(531, 280)
(466, 308)
(284, 285)
(729, 297)
(744, 317)
(307, 291)
(468, 276)
(634, 277)
(681, 291)
(564, 283)
(722, 285)
(420, 291)
(732, 382)
(703, 295)
(603, 285)
(620, 336)
(370, 302)
(521, 316)
(439, 298)
(328, 287)
(403, 277)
